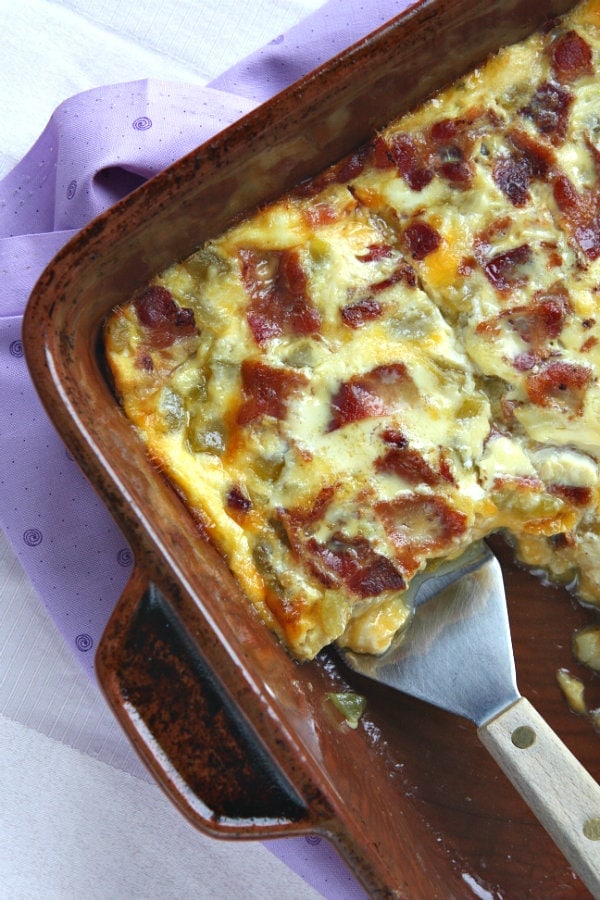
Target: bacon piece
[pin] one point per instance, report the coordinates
(525, 362)
(582, 214)
(419, 527)
(278, 289)
(459, 172)
(237, 500)
(375, 252)
(544, 318)
(502, 271)
(352, 166)
(340, 560)
(353, 563)
(317, 214)
(355, 315)
(266, 390)
(403, 272)
(407, 463)
(528, 160)
(549, 110)
(381, 156)
(165, 321)
(560, 384)
(577, 495)
(588, 344)
(571, 57)
(410, 156)
(443, 150)
(512, 174)
(376, 393)
(518, 482)
(421, 239)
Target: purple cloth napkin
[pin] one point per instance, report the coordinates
(96, 147)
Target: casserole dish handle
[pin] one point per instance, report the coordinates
(186, 727)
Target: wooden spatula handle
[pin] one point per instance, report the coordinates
(554, 784)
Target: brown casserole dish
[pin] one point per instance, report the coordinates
(243, 737)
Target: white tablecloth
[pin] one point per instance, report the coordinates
(79, 816)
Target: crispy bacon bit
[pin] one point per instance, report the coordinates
(403, 272)
(410, 155)
(517, 482)
(589, 344)
(524, 362)
(571, 57)
(279, 300)
(352, 562)
(577, 495)
(298, 521)
(420, 527)
(582, 214)
(144, 361)
(421, 239)
(355, 315)
(484, 239)
(165, 320)
(376, 393)
(375, 252)
(502, 271)
(526, 161)
(352, 166)
(380, 154)
(512, 174)
(237, 500)
(395, 438)
(559, 383)
(467, 266)
(317, 214)
(443, 150)
(549, 110)
(543, 319)
(407, 463)
(561, 541)
(266, 390)
(339, 560)
(459, 172)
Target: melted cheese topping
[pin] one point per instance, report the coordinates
(400, 358)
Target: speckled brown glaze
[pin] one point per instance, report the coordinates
(240, 735)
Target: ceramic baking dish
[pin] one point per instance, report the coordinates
(242, 737)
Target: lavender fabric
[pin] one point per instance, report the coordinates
(96, 147)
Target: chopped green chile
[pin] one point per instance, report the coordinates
(351, 706)
(200, 263)
(172, 408)
(205, 437)
(268, 468)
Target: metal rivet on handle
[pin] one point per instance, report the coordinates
(591, 829)
(523, 737)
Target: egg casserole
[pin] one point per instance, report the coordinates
(397, 358)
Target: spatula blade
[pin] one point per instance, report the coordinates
(457, 651)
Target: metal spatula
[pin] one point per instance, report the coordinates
(457, 654)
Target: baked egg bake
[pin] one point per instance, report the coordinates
(396, 359)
